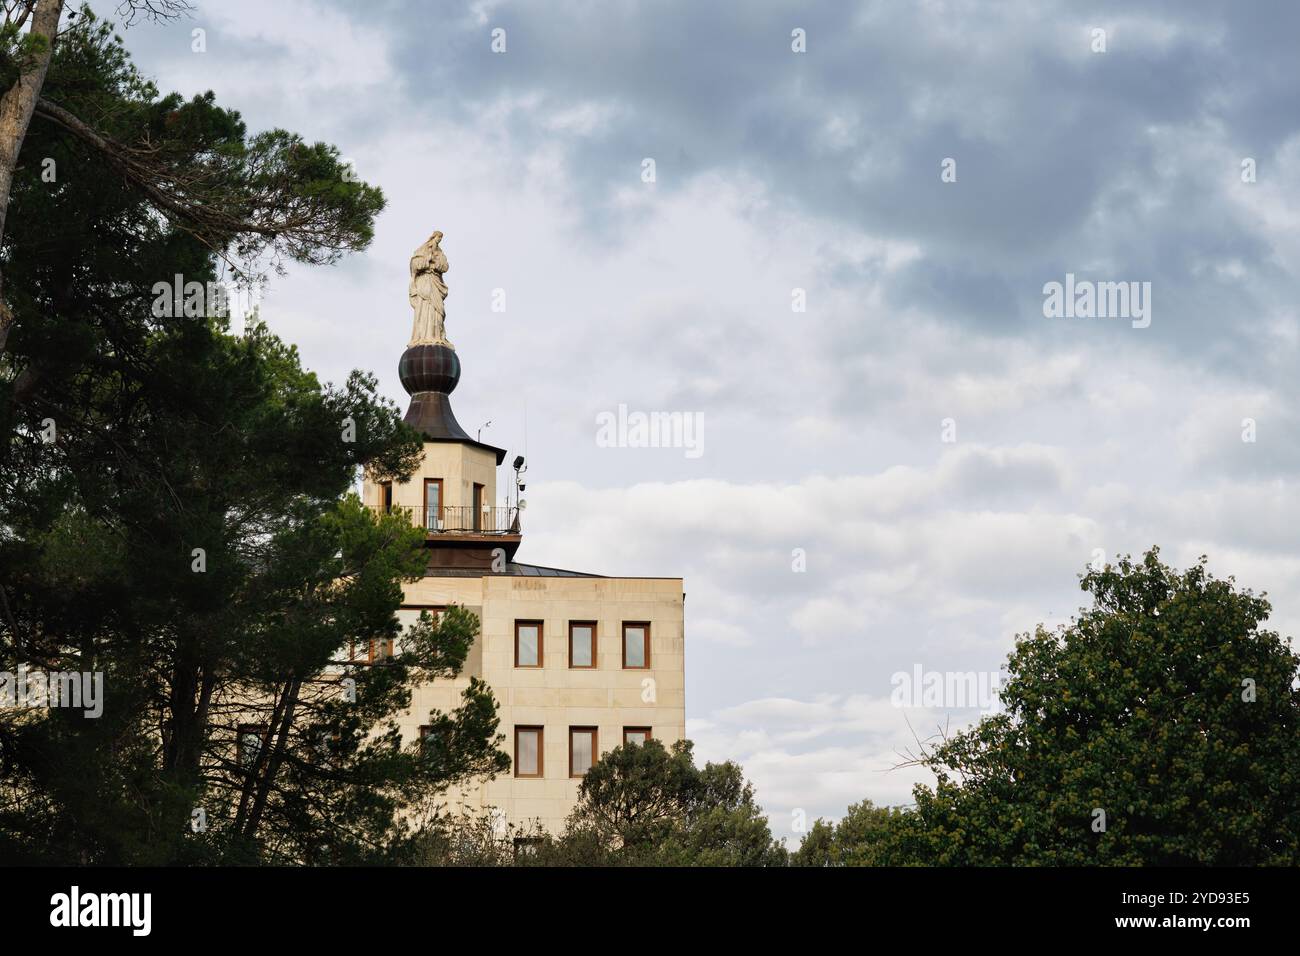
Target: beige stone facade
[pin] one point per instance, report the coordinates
(472, 564)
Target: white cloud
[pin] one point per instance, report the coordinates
(812, 758)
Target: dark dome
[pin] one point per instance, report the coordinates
(429, 373)
(429, 368)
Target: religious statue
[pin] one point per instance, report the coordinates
(427, 294)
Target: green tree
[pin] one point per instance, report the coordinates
(252, 202)
(174, 510)
(861, 838)
(28, 36)
(1166, 706)
(644, 804)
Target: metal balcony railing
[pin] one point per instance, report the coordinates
(461, 520)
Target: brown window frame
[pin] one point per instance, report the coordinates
(541, 750)
(637, 730)
(595, 747)
(594, 644)
(623, 646)
(386, 496)
(442, 501)
(541, 643)
(476, 503)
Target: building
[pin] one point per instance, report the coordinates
(579, 663)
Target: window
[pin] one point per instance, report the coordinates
(372, 650)
(528, 643)
(528, 751)
(386, 496)
(432, 740)
(636, 645)
(383, 648)
(433, 504)
(248, 744)
(636, 735)
(582, 644)
(477, 506)
(582, 750)
(526, 847)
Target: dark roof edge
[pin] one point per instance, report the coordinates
(499, 452)
(559, 573)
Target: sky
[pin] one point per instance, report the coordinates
(916, 465)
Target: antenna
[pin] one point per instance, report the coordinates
(478, 435)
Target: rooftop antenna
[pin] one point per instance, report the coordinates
(478, 436)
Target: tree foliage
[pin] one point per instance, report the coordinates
(1161, 727)
(174, 514)
(186, 171)
(648, 805)
(639, 805)
(860, 838)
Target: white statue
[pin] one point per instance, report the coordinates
(427, 294)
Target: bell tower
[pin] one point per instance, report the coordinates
(453, 493)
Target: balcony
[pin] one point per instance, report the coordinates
(461, 520)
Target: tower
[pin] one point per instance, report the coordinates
(579, 663)
(454, 493)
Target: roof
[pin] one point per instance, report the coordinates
(539, 571)
(513, 569)
(517, 570)
(430, 414)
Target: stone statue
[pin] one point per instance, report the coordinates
(427, 294)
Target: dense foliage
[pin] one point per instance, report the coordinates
(1161, 727)
(174, 511)
(639, 805)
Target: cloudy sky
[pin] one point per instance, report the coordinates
(823, 429)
